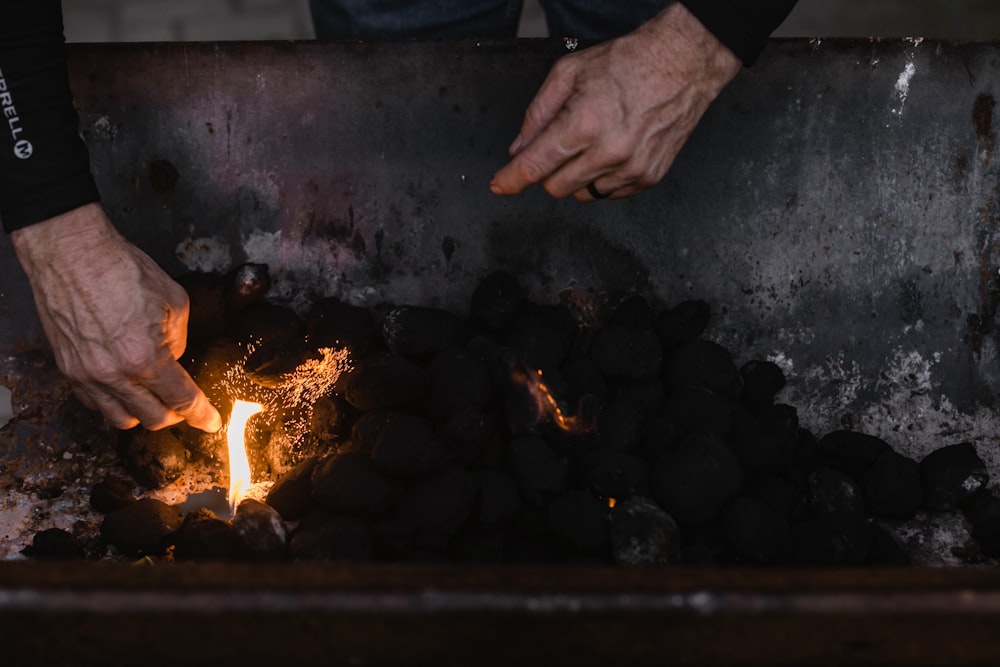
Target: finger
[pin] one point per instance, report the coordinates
(177, 391)
(551, 97)
(109, 406)
(538, 161)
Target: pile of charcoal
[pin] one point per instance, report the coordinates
(527, 433)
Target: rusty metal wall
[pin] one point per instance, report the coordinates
(836, 206)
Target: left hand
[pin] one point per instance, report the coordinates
(616, 115)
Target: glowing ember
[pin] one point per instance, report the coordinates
(546, 404)
(239, 465)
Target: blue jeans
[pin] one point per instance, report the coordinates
(585, 19)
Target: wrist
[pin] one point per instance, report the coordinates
(69, 236)
(677, 26)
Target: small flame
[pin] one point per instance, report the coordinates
(239, 465)
(546, 404)
(612, 502)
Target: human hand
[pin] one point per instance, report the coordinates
(614, 116)
(116, 322)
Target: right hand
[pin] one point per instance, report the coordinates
(116, 321)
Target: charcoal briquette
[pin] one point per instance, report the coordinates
(540, 472)
(349, 482)
(496, 300)
(206, 299)
(331, 539)
(334, 323)
(153, 458)
(626, 352)
(851, 452)
(983, 512)
(892, 487)
(682, 323)
(542, 335)
(473, 437)
(291, 495)
(693, 482)
(951, 475)
(643, 534)
(634, 312)
(778, 494)
(264, 322)
(499, 501)
(386, 382)
(406, 446)
(458, 379)
(762, 380)
(261, 530)
(203, 536)
(244, 285)
(657, 436)
(479, 544)
(438, 505)
(755, 532)
(111, 494)
(762, 453)
(832, 540)
(54, 544)
(832, 491)
(699, 410)
(613, 474)
(420, 332)
(648, 394)
(619, 424)
(884, 550)
(139, 529)
(704, 364)
(582, 378)
(272, 364)
(580, 522)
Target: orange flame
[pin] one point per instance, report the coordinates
(546, 404)
(239, 465)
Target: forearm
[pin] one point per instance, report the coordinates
(742, 25)
(44, 165)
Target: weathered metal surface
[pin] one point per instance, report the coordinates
(365, 615)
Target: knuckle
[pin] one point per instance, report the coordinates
(531, 170)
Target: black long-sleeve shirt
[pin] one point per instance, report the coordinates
(44, 164)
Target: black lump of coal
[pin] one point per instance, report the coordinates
(419, 331)
(333, 323)
(206, 299)
(542, 335)
(892, 487)
(757, 533)
(951, 475)
(438, 505)
(54, 544)
(540, 472)
(693, 482)
(612, 474)
(499, 500)
(832, 491)
(626, 352)
(153, 458)
(583, 378)
(325, 538)
(832, 540)
(386, 382)
(139, 529)
(983, 512)
(762, 380)
(705, 364)
(349, 482)
(643, 534)
(406, 446)
(261, 530)
(473, 437)
(581, 523)
(682, 323)
(458, 379)
(699, 410)
(111, 494)
(264, 322)
(291, 495)
(496, 300)
(619, 424)
(203, 536)
(244, 285)
(634, 312)
(851, 452)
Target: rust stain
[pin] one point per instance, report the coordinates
(982, 120)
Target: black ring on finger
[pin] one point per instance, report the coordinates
(595, 193)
